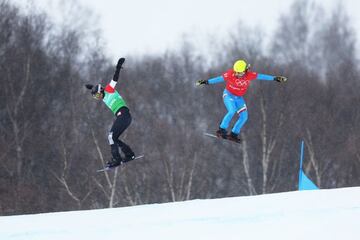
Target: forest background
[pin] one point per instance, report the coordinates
(54, 135)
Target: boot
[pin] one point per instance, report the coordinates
(128, 158)
(234, 137)
(113, 163)
(221, 133)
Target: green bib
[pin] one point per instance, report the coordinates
(114, 101)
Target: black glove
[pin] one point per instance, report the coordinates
(118, 67)
(280, 79)
(120, 63)
(89, 86)
(201, 82)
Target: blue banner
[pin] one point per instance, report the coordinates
(304, 182)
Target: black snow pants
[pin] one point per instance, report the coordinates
(121, 123)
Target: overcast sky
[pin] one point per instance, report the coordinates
(144, 26)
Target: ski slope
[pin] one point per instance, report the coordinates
(318, 214)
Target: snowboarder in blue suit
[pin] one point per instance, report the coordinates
(237, 82)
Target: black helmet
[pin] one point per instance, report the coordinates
(97, 89)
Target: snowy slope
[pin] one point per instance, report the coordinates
(319, 214)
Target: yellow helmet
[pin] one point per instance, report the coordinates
(240, 66)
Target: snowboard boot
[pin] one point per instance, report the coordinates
(129, 157)
(234, 137)
(221, 133)
(113, 163)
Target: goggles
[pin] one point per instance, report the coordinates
(240, 74)
(96, 92)
(97, 95)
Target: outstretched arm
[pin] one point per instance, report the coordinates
(118, 68)
(266, 77)
(117, 72)
(214, 80)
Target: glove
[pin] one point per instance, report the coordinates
(89, 86)
(118, 67)
(120, 63)
(280, 79)
(201, 82)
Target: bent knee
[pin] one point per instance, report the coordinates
(231, 112)
(243, 114)
(110, 138)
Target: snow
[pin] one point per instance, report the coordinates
(318, 214)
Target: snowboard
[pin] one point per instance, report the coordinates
(123, 164)
(220, 138)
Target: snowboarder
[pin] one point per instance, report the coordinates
(117, 105)
(237, 81)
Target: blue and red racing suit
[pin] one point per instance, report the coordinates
(235, 89)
